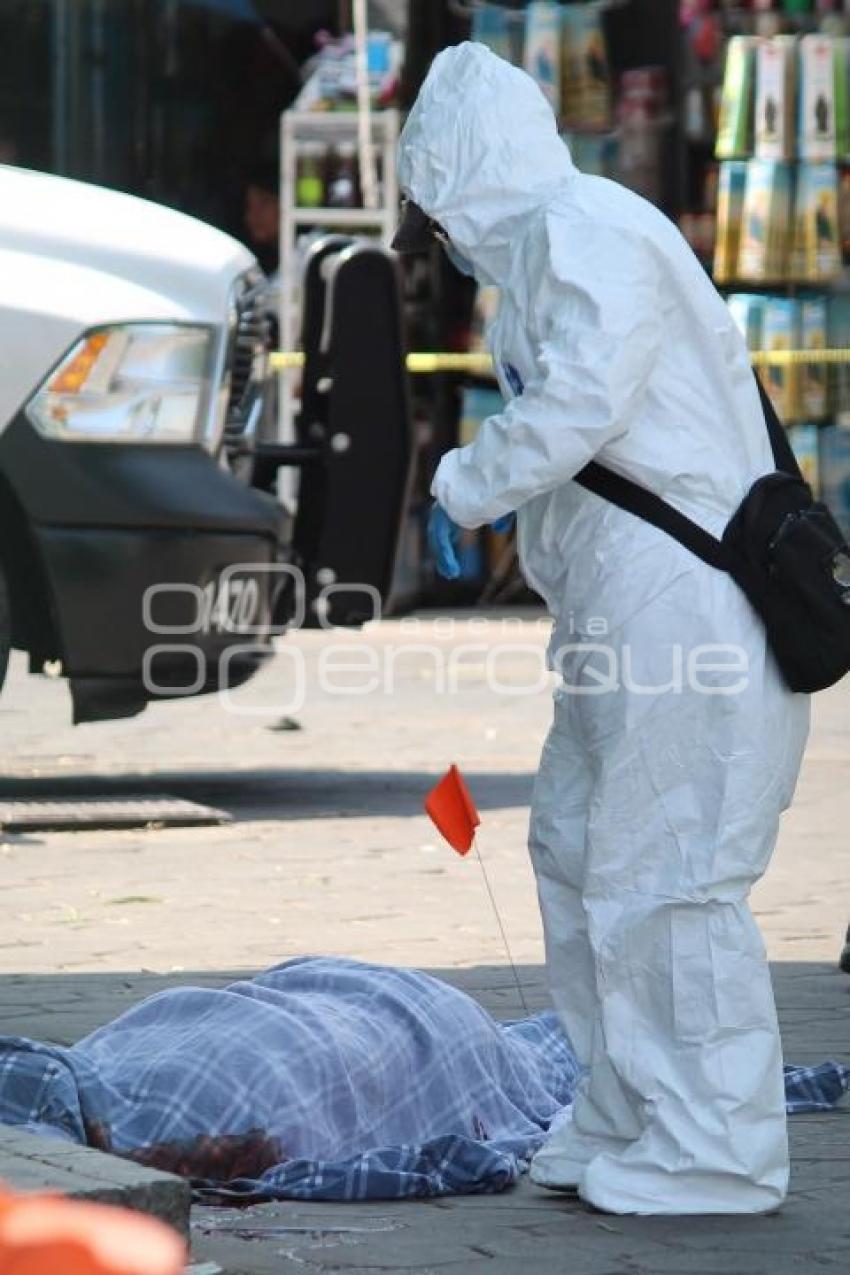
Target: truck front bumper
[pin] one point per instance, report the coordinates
(161, 568)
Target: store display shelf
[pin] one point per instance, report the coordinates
(827, 284)
(465, 9)
(335, 122)
(657, 125)
(791, 358)
(339, 216)
(753, 22)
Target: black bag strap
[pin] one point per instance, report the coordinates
(645, 504)
(783, 453)
(651, 508)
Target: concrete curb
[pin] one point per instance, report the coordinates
(30, 1163)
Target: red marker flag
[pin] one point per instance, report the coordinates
(452, 810)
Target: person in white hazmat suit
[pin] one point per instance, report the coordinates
(675, 744)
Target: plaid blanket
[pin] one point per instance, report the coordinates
(319, 1079)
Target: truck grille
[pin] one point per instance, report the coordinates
(248, 357)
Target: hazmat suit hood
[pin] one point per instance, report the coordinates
(480, 153)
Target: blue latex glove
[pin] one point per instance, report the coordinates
(504, 524)
(443, 540)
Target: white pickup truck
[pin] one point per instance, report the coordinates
(136, 550)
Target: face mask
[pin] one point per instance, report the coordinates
(459, 261)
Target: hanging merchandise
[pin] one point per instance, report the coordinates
(542, 55)
(814, 399)
(478, 402)
(842, 97)
(817, 246)
(804, 444)
(817, 98)
(730, 209)
(776, 80)
(734, 134)
(586, 98)
(491, 26)
(844, 211)
(838, 331)
(747, 310)
(766, 221)
(596, 153)
(835, 473)
(781, 332)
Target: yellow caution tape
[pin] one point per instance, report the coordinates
(424, 362)
(285, 360)
(449, 363)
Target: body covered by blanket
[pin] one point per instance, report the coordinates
(320, 1079)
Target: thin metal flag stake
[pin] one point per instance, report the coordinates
(499, 923)
(452, 811)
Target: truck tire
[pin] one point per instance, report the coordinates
(5, 627)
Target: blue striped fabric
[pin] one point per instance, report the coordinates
(319, 1079)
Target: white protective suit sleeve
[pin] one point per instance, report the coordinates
(595, 327)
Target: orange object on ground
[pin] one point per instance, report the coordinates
(51, 1235)
(452, 810)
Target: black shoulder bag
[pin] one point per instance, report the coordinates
(783, 548)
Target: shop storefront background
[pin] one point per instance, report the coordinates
(175, 100)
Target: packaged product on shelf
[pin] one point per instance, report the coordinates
(730, 204)
(817, 98)
(586, 76)
(838, 330)
(817, 244)
(776, 68)
(805, 446)
(542, 56)
(747, 310)
(490, 26)
(835, 473)
(766, 221)
(781, 332)
(379, 52)
(734, 133)
(309, 179)
(814, 399)
(342, 186)
(331, 76)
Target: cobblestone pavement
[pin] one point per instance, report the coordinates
(329, 852)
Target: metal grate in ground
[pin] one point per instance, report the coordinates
(78, 813)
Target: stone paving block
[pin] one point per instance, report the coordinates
(29, 1162)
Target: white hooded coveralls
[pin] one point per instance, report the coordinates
(657, 802)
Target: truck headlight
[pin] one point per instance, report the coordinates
(135, 383)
